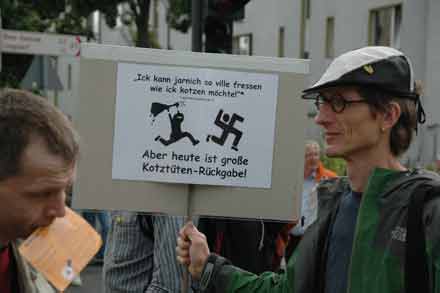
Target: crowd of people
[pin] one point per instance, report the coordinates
(356, 233)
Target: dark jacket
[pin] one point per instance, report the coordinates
(377, 261)
(249, 244)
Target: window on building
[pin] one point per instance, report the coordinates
(330, 37)
(242, 44)
(385, 24)
(281, 38)
(305, 29)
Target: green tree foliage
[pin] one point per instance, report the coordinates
(138, 15)
(70, 17)
(34, 16)
(19, 17)
(335, 164)
(179, 14)
(29, 15)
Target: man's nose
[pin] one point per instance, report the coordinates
(325, 113)
(57, 207)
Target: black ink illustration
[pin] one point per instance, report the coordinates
(227, 124)
(176, 124)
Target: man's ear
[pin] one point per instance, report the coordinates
(391, 115)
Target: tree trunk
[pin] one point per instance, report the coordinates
(142, 23)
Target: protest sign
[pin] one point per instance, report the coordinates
(155, 122)
(192, 125)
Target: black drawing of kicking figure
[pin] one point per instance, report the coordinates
(176, 129)
(222, 121)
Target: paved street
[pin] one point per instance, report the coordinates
(91, 281)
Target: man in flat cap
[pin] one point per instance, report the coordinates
(377, 229)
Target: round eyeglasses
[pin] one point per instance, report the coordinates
(337, 103)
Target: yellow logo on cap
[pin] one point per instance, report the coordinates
(369, 69)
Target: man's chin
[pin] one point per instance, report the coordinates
(333, 153)
(33, 228)
(26, 234)
(330, 153)
(46, 224)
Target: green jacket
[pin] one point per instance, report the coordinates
(377, 261)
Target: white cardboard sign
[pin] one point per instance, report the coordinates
(194, 125)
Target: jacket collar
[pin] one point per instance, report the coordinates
(407, 177)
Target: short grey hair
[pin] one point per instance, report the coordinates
(313, 143)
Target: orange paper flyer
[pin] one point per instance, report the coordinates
(62, 250)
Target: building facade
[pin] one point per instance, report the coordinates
(319, 30)
(322, 29)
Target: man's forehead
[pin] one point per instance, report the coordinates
(39, 179)
(311, 148)
(38, 160)
(34, 179)
(57, 168)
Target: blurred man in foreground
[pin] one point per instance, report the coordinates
(38, 154)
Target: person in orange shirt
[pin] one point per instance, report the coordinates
(312, 164)
(314, 172)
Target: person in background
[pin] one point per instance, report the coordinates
(251, 244)
(92, 217)
(314, 172)
(140, 254)
(39, 150)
